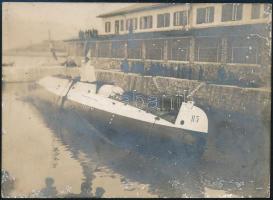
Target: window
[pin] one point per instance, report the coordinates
(154, 49)
(121, 25)
(118, 49)
(243, 50)
(180, 18)
(207, 49)
(104, 49)
(255, 11)
(134, 49)
(146, 22)
(178, 49)
(107, 27)
(117, 27)
(232, 12)
(242, 55)
(163, 20)
(205, 15)
(131, 24)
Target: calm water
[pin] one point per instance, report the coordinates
(49, 152)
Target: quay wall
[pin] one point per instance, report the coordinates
(252, 101)
(241, 75)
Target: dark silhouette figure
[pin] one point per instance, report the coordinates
(99, 192)
(190, 73)
(166, 70)
(85, 190)
(201, 72)
(152, 69)
(171, 71)
(81, 35)
(178, 73)
(69, 62)
(221, 74)
(85, 34)
(125, 66)
(147, 70)
(140, 68)
(158, 69)
(49, 190)
(231, 78)
(182, 71)
(133, 68)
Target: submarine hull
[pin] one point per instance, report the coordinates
(116, 126)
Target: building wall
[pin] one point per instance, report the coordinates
(246, 17)
(242, 74)
(213, 45)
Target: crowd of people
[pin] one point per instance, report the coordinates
(87, 34)
(157, 69)
(184, 71)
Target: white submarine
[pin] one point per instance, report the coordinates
(100, 106)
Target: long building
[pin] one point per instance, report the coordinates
(192, 34)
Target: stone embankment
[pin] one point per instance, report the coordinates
(252, 101)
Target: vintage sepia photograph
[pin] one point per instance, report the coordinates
(161, 100)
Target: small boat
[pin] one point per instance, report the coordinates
(100, 105)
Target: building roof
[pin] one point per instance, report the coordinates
(136, 7)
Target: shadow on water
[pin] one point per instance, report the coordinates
(49, 190)
(7, 183)
(235, 159)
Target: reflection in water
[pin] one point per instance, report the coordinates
(163, 173)
(99, 192)
(169, 171)
(85, 189)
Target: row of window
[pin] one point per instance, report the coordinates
(230, 12)
(239, 50)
